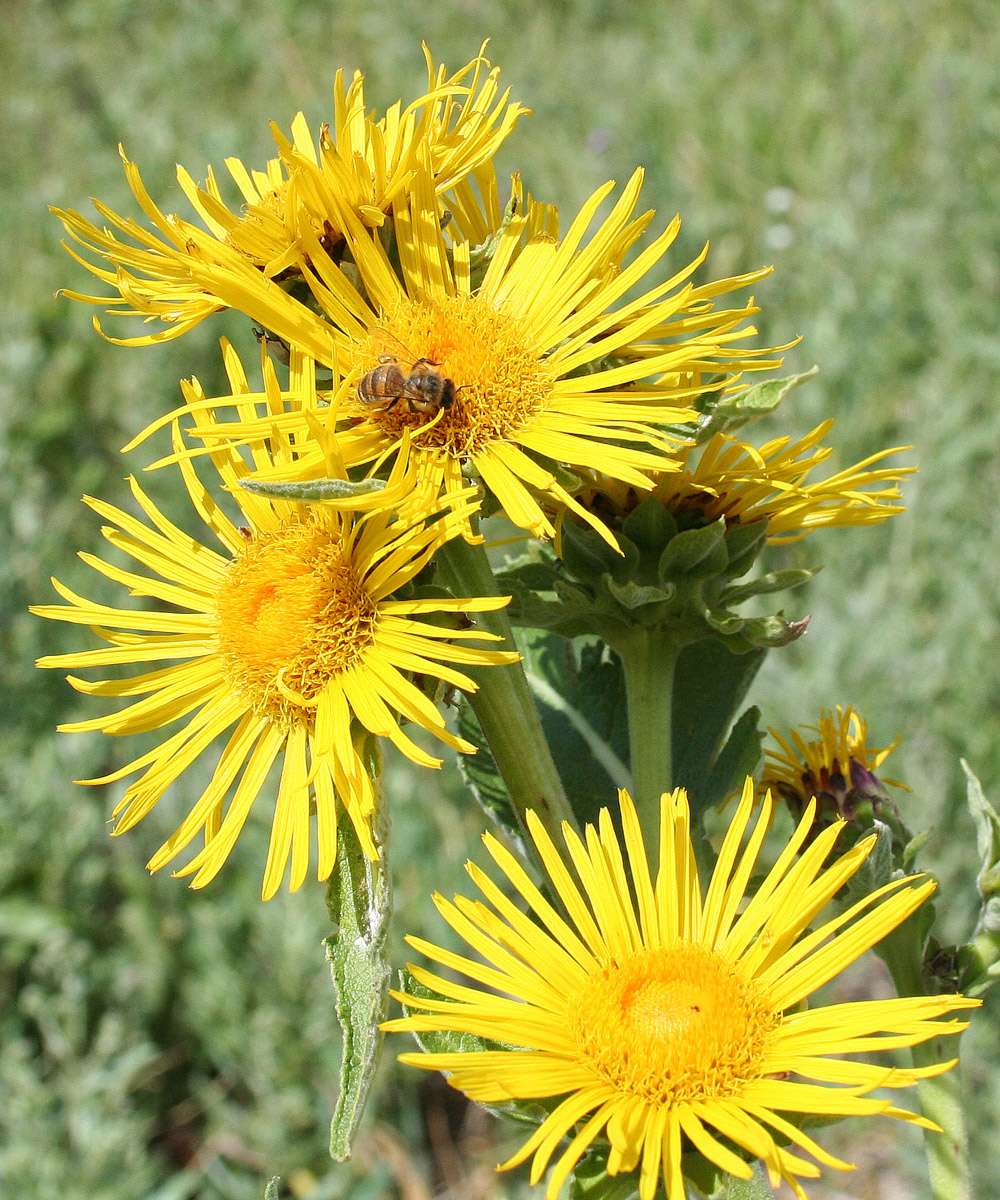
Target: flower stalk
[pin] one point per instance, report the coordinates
(940, 1096)
(503, 703)
(649, 658)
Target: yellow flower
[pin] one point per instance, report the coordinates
(295, 636)
(360, 170)
(837, 768)
(543, 368)
(744, 483)
(668, 1020)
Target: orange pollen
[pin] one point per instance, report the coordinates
(499, 380)
(291, 614)
(673, 1025)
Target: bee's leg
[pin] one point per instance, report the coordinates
(424, 362)
(384, 408)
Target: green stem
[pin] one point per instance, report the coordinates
(504, 705)
(940, 1097)
(649, 657)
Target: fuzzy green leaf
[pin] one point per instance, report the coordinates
(726, 414)
(359, 900)
(313, 489)
(710, 683)
(774, 581)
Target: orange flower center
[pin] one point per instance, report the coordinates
(291, 614)
(672, 1025)
(498, 380)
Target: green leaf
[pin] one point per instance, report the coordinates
(271, 1191)
(693, 548)
(710, 684)
(649, 526)
(877, 869)
(987, 823)
(483, 778)
(633, 595)
(591, 1180)
(313, 489)
(359, 900)
(738, 758)
(581, 697)
(727, 413)
(775, 581)
(586, 554)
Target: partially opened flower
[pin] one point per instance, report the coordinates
(362, 167)
(659, 1019)
(744, 483)
(295, 640)
(836, 768)
(532, 364)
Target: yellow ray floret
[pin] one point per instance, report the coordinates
(835, 761)
(665, 1018)
(176, 273)
(743, 483)
(538, 357)
(294, 640)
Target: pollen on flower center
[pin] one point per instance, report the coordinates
(291, 613)
(672, 1025)
(500, 382)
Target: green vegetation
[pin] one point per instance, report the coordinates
(161, 1044)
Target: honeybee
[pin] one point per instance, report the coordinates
(421, 386)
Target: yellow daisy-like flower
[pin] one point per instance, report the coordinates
(744, 483)
(532, 364)
(837, 767)
(670, 1020)
(361, 168)
(296, 637)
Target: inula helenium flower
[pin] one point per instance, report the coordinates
(294, 636)
(667, 1019)
(836, 766)
(177, 273)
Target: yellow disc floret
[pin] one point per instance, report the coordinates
(671, 1025)
(291, 613)
(500, 383)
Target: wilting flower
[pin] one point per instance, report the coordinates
(178, 272)
(296, 636)
(744, 483)
(669, 1020)
(837, 768)
(534, 364)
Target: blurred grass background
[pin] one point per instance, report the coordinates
(164, 1045)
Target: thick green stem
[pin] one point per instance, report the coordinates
(940, 1097)
(504, 705)
(649, 657)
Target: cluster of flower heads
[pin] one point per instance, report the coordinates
(426, 344)
(422, 336)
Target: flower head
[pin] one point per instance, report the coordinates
(744, 483)
(542, 367)
(297, 635)
(837, 768)
(361, 168)
(668, 1019)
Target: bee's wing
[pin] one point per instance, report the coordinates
(388, 346)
